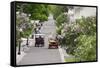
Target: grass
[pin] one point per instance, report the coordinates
(72, 59)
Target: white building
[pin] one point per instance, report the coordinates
(84, 11)
(78, 12)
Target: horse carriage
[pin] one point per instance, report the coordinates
(53, 43)
(39, 40)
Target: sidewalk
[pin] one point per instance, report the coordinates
(23, 53)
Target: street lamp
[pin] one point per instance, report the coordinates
(27, 42)
(32, 22)
(20, 30)
(36, 22)
(27, 37)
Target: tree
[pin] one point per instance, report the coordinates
(61, 19)
(81, 40)
(86, 46)
(57, 10)
(36, 12)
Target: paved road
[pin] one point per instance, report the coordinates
(43, 55)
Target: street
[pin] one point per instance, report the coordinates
(43, 55)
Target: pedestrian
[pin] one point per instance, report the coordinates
(36, 30)
(41, 24)
(32, 36)
(39, 27)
